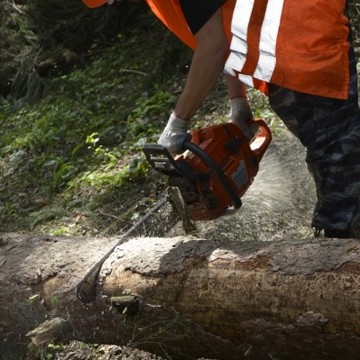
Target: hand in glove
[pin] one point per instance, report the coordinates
(174, 135)
(241, 115)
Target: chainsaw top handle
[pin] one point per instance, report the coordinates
(261, 140)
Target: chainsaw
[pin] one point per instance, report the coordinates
(215, 170)
(217, 166)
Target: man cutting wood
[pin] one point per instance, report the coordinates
(299, 54)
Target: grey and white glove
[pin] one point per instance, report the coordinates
(241, 115)
(175, 134)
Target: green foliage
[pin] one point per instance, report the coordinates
(81, 145)
(34, 299)
(52, 351)
(146, 110)
(72, 162)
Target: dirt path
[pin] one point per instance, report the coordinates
(278, 204)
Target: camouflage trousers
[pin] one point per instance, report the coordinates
(330, 131)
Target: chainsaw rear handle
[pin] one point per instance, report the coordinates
(261, 140)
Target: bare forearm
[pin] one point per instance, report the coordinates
(206, 66)
(235, 87)
(201, 79)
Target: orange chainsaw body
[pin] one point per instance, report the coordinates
(218, 167)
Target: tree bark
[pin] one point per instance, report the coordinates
(187, 297)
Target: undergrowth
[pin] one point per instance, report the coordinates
(72, 163)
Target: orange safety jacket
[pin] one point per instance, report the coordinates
(298, 44)
(170, 13)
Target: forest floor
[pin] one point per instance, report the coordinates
(278, 205)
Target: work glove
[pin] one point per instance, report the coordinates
(174, 135)
(241, 115)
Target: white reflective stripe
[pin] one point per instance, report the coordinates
(229, 70)
(246, 79)
(234, 62)
(239, 28)
(238, 57)
(268, 38)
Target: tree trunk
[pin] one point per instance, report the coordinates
(186, 297)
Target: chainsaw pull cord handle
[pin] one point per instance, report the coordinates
(207, 160)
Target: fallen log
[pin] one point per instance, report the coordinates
(185, 297)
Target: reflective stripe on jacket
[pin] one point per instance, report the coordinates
(298, 44)
(301, 45)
